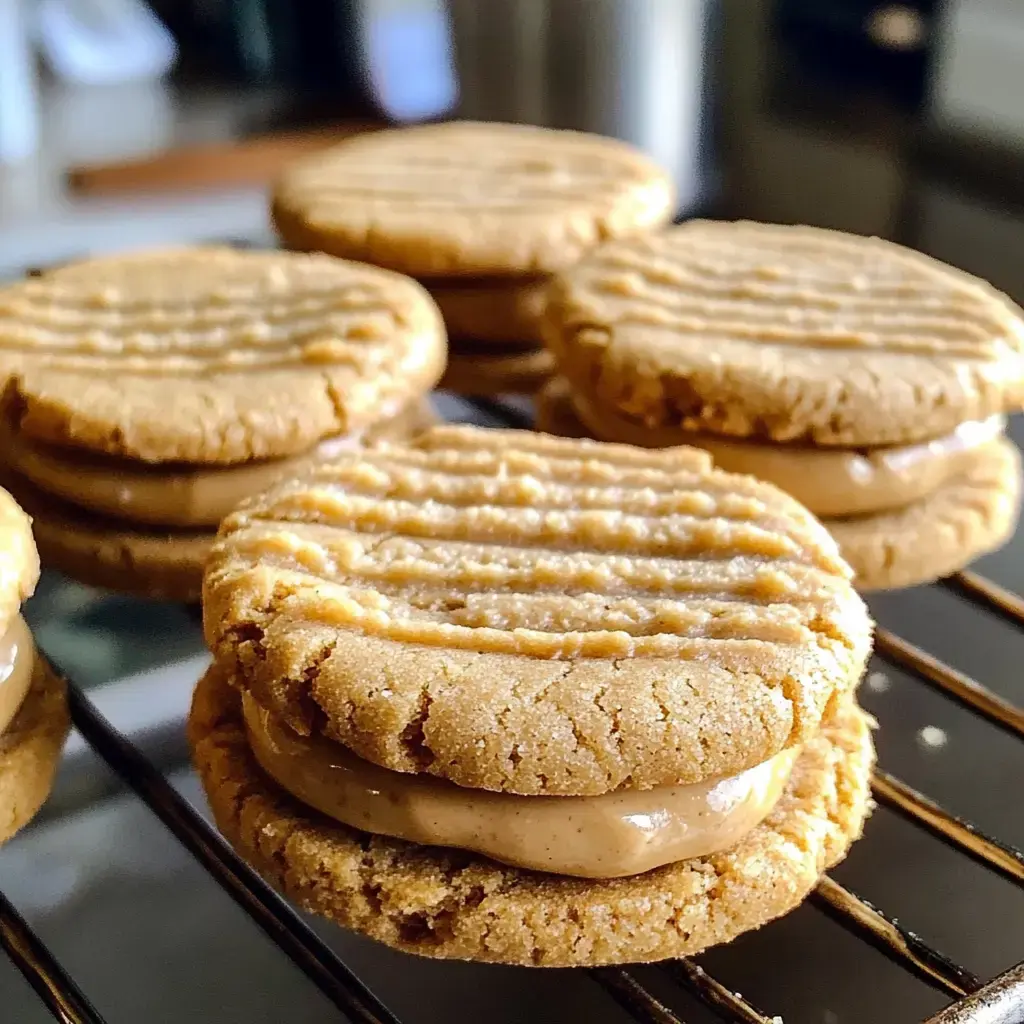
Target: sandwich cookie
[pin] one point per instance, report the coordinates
(148, 394)
(483, 214)
(868, 381)
(500, 696)
(34, 721)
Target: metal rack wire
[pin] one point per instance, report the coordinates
(1001, 1001)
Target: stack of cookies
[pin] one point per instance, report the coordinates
(867, 380)
(33, 710)
(500, 696)
(147, 394)
(482, 214)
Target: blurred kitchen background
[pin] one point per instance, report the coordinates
(118, 119)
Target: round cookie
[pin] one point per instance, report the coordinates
(30, 749)
(510, 373)
(968, 516)
(449, 904)
(785, 333)
(213, 355)
(469, 199)
(520, 613)
(496, 312)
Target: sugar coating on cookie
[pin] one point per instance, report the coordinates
(785, 333)
(521, 613)
(469, 198)
(213, 355)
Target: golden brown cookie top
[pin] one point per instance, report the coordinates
(517, 612)
(19, 560)
(788, 333)
(468, 198)
(213, 354)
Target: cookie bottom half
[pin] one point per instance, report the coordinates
(455, 905)
(485, 374)
(30, 750)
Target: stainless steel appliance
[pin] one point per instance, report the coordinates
(638, 70)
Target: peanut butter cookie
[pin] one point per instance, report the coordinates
(518, 613)
(469, 199)
(213, 355)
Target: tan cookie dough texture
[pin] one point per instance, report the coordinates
(445, 903)
(213, 355)
(787, 334)
(524, 614)
(470, 199)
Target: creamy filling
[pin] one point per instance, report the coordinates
(17, 655)
(622, 833)
(831, 482)
(164, 495)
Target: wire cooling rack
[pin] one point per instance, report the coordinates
(973, 1001)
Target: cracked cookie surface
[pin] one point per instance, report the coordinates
(521, 613)
(471, 199)
(785, 333)
(444, 903)
(213, 355)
